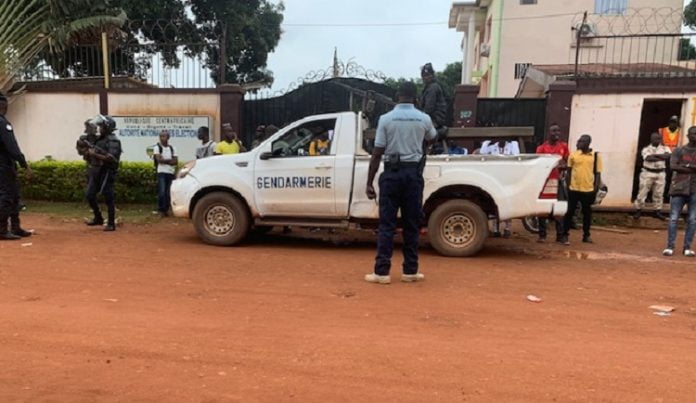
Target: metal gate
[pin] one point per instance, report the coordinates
(502, 112)
(327, 96)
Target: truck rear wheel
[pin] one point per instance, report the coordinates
(458, 228)
(221, 219)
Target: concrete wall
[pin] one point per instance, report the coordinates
(162, 104)
(550, 40)
(50, 123)
(613, 121)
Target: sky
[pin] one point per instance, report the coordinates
(397, 51)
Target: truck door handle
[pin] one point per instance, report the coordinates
(323, 166)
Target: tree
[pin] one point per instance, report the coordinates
(687, 51)
(690, 15)
(28, 27)
(251, 30)
(448, 78)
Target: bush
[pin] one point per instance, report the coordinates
(65, 181)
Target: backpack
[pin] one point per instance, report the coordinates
(159, 148)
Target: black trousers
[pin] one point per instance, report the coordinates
(585, 199)
(543, 224)
(103, 182)
(399, 190)
(9, 195)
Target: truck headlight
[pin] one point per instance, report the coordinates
(186, 169)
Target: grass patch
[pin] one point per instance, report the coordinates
(132, 213)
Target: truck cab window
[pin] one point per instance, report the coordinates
(309, 139)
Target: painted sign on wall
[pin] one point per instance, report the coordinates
(137, 133)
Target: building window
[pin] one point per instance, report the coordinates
(521, 70)
(616, 7)
(524, 2)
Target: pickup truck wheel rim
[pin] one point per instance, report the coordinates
(219, 220)
(458, 230)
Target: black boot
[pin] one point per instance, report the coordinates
(16, 229)
(637, 214)
(659, 216)
(97, 220)
(5, 234)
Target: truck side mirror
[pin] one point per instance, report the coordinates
(266, 155)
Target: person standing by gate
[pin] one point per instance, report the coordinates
(165, 162)
(683, 192)
(553, 145)
(584, 171)
(670, 133)
(401, 134)
(432, 101)
(10, 157)
(653, 175)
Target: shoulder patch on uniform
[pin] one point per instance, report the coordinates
(8, 127)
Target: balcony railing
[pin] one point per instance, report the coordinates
(637, 56)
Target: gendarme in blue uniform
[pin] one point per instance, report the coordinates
(401, 132)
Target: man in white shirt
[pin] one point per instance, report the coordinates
(207, 147)
(165, 161)
(653, 175)
(500, 148)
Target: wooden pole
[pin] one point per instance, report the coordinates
(105, 60)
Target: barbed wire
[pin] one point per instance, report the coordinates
(634, 21)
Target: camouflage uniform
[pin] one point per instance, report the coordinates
(652, 177)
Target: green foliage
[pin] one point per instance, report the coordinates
(449, 78)
(690, 15)
(28, 27)
(64, 181)
(687, 51)
(252, 29)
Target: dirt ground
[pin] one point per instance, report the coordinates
(149, 313)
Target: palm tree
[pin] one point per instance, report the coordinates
(28, 27)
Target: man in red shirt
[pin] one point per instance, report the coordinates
(553, 145)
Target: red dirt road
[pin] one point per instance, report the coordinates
(162, 317)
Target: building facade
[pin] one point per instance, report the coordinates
(502, 38)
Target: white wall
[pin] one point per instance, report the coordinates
(50, 123)
(179, 104)
(613, 121)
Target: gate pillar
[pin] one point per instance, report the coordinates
(464, 105)
(559, 103)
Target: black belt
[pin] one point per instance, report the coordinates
(655, 171)
(401, 164)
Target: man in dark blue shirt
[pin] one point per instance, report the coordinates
(10, 157)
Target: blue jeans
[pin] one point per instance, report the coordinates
(399, 190)
(164, 185)
(676, 205)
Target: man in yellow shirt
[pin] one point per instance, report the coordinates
(230, 144)
(585, 169)
(321, 145)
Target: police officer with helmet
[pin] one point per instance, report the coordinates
(400, 137)
(107, 150)
(10, 157)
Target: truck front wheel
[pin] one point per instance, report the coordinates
(458, 228)
(221, 219)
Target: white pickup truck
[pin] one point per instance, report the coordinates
(280, 184)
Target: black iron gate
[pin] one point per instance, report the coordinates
(327, 96)
(506, 112)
